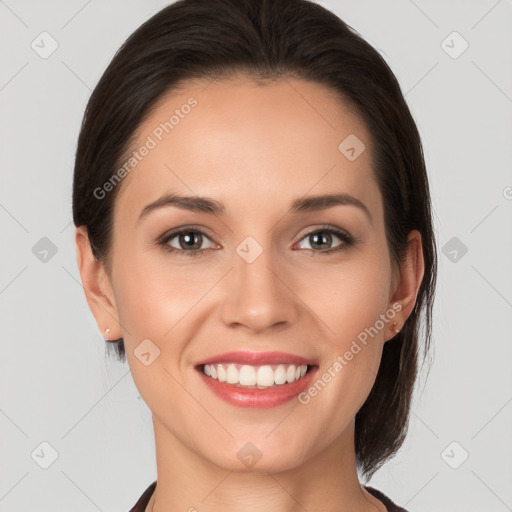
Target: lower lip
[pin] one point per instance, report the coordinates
(258, 398)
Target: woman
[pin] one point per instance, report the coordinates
(254, 234)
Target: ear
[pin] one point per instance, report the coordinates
(97, 287)
(408, 281)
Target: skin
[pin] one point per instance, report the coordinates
(255, 148)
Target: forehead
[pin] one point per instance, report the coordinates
(250, 144)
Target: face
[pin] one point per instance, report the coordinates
(255, 274)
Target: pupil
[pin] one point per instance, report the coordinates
(189, 239)
(325, 237)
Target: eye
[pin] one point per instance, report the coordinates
(189, 242)
(323, 239)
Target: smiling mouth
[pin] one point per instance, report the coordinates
(255, 376)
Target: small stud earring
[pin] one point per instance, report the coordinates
(106, 332)
(394, 328)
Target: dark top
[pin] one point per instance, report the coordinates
(390, 505)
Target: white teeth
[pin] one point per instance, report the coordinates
(247, 376)
(280, 375)
(221, 373)
(255, 376)
(265, 376)
(232, 374)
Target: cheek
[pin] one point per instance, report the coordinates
(351, 302)
(346, 297)
(154, 302)
(152, 295)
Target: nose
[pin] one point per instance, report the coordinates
(259, 295)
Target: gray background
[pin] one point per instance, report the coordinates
(56, 384)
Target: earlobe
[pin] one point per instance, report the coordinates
(409, 281)
(97, 287)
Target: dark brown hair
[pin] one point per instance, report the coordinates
(272, 39)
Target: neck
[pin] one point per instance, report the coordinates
(188, 482)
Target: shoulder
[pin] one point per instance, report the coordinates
(390, 505)
(143, 501)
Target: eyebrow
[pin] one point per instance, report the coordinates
(214, 207)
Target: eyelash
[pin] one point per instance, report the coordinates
(347, 239)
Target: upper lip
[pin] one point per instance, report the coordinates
(257, 358)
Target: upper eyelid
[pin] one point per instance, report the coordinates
(184, 229)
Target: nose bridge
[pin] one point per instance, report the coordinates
(256, 296)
